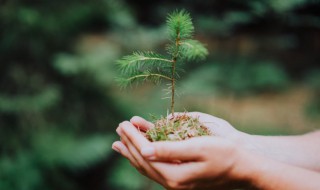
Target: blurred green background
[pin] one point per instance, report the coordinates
(60, 105)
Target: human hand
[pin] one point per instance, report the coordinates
(218, 127)
(217, 162)
(287, 149)
(197, 163)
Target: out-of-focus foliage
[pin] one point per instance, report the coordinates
(313, 80)
(97, 66)
(59, 105)
(56, 112)
(244, 78)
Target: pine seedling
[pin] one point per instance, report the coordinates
(150, 66)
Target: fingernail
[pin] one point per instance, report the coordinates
(148, 152)
(115, 149)
(119, 131)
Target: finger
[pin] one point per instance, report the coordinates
(123, 150)
(130, 134)
(118, 130)
(137, 139)
(141, 124)
(187, 150)
(118, 146)
(134, 154)
(183, 173)
(143, 166)
(133, 151)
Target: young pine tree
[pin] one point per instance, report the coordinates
(150, 66)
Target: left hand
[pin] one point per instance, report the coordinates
(197, 163)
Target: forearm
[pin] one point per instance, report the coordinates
(266, 174)
(302, 151)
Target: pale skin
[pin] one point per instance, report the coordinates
(229, 159)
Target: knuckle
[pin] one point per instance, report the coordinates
(177, 182)
(172, 181)
(162, 152)
(174, 185)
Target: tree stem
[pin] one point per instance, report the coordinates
(172, 86)
(174, 61)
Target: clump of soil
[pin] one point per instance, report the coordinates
(177, 128)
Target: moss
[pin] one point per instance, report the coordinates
(179, 127)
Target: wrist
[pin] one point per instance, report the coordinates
(245, 169)
(251, 143)
(242, 140)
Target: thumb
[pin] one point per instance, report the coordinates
(187, 150)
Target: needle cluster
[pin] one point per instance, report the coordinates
(150, 66)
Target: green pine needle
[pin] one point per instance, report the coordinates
(143, 66)
(149, 66)
(180, 25)
(138, 62)
(143, 77)
(139, 59)
(193, 50)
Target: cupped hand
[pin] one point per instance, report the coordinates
(218, 127)
(197, 163)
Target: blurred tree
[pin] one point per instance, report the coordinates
(286, 31)
(50, 119)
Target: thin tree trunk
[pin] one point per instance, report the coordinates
(173, 87)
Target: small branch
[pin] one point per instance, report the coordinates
(152, 58)
(149, 75)
(160, 59)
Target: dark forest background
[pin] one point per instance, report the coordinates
(60, 105)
